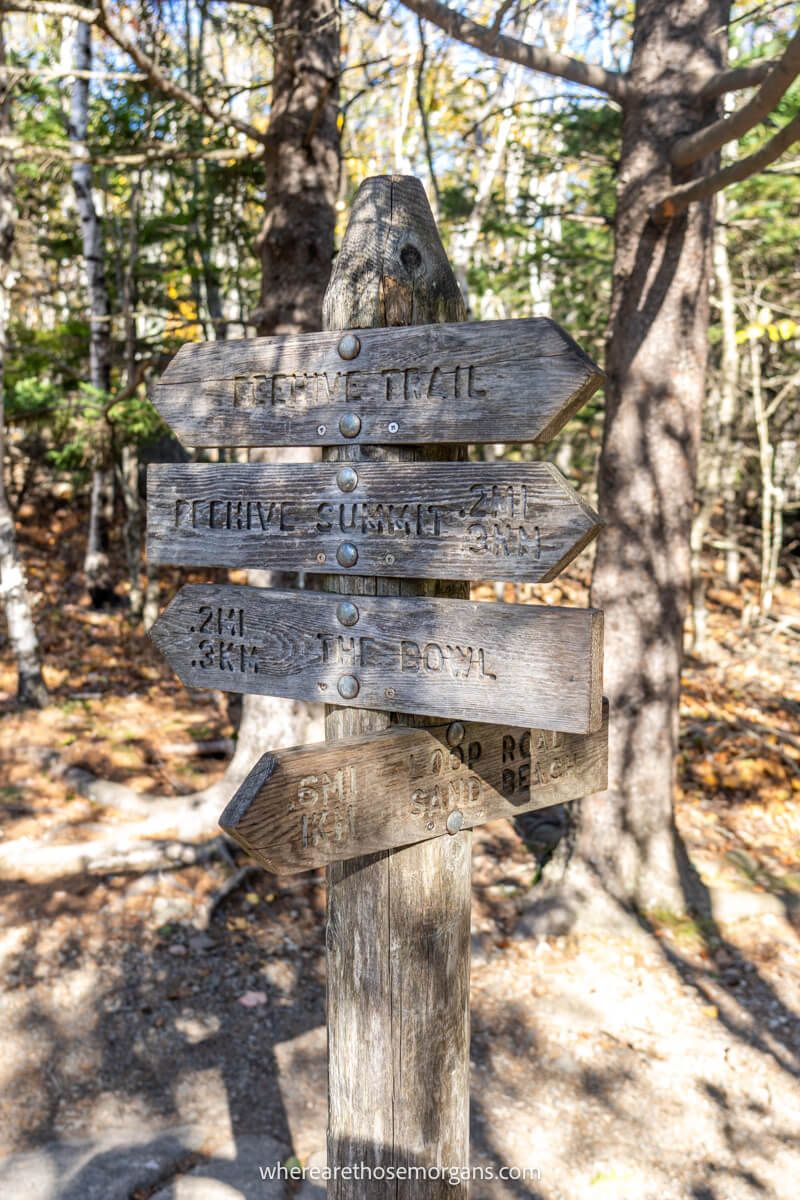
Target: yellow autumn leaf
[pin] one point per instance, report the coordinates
(777, 331)
(705, 773)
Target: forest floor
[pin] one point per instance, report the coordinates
(158, 1041)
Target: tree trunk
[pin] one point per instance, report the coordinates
(301, 165)
(13, 586)
(96, 563)
(296, 249)
(656, 364)
(718, 463)
(729, 450)
(766, 462)
(128, 465)
(128, 479)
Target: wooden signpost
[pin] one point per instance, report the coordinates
(443, 713)
(517, 521)
(446, 383)
(313, 805)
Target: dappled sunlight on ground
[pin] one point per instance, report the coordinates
(658, 1059)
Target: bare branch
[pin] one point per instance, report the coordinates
(168, 86)
(137, 156)
(736, 79)
(536, 58)
(423, 112)
(688, 150)
(100, 17)
(51, 8)
(700, 189)
(500, 15)
(15, 73)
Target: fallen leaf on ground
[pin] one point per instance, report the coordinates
(253, 999)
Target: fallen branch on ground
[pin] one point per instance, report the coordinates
(230, 885)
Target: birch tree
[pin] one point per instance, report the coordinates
(13, 585)
(96, 563)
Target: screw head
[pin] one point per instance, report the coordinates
(389, 560)
(350, 425)
(321, 557)
(348, 687)
(349, 346)
(347, 613)
(455, 733)
(321, 430)
(347, 478)
(347, 555)
(455, 821)
(393, 427)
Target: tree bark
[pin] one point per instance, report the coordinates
(96, 563)
(301, 162)
(656, 364)
(718, 460)
(766, 463)
(296, 249)
(13, 585)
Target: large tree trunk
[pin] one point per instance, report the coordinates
(13, 586)
(96, 563)
(301, 166)
(656, 364)
(296, 249)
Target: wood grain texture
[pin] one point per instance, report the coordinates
(311, 805)
(517, 521)
(516, 664)
(481, 381)
(398, 933)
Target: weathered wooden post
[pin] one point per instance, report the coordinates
(394, 388)
(398, 936)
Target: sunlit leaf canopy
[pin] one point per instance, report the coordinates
(520, 169)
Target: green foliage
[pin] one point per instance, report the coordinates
(31, 401)
(525, 172)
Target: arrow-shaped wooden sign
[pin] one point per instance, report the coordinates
(516, 664)
(312, 805)
(517, 521)
(480, 381)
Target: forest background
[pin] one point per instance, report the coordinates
(182, 172)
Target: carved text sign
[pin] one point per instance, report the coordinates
(516, 521)
(481, 381)
(517, 664)
(312, 805)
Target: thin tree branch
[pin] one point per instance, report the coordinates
(680, 198)
(175, 91)
(501, 14)
(130, 390)
(736, 79)
(695, 146)
(15, 73)
(135, 157)
(169, 88)
(51, 8)
(423, 112)
(536, 58)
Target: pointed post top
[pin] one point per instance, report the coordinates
(392, 268)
